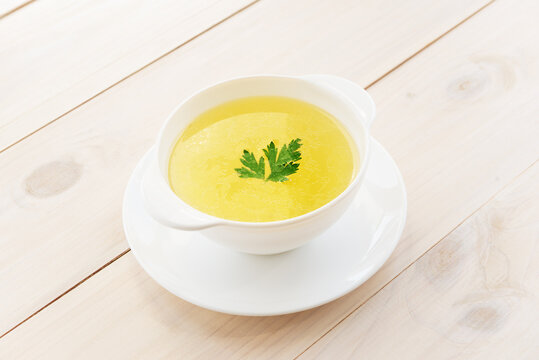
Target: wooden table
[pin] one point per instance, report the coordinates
(85, 86)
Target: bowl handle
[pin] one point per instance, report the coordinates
(165, 206)
(351, 90)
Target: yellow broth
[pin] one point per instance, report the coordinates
(202, 163)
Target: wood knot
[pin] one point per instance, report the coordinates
(443, 262)
(481, 318)
(52, 178)
(483, 76)
(410, 95)
(469, 86)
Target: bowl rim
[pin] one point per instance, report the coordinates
(217, 221)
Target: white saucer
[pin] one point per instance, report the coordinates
(328, 267)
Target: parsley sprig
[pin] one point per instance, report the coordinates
(282, 163)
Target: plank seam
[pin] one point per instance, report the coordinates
(67, 291)
(16, 9)
(491, 198)
(131, 74)
(429, 44)
(368, 86)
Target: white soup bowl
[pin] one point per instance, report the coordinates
(350, 104)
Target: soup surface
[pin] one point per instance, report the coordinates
(205, 162)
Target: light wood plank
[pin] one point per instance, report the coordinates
(54, 54)
(62, 198)
(473, 296)
(450, 118)
(8, 7)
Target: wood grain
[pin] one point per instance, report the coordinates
(450, 118)
(60, 206)
(54, 55)
(473, 296)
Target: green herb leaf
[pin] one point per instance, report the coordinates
(289, 153)
(281, 163)
(251, 168)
